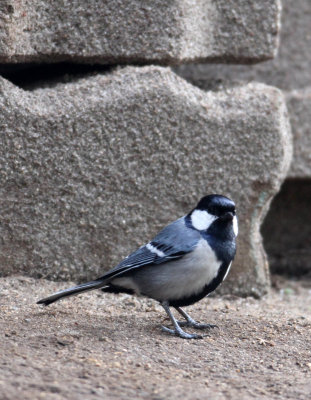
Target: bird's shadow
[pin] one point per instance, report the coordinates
(112, 327)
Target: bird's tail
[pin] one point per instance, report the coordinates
(97, 284)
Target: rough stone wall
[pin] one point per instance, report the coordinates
(131, 31)
(94, 167)
(291, 72)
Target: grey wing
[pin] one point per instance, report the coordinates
(173, 242)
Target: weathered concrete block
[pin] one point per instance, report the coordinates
(288, 71)
(118, 31)
(92, 169)
(299, 106)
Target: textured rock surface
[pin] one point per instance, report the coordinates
(92, 169)
(290, 71)
(299, 106)
(118, 31)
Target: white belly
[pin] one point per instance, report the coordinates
(176, 279)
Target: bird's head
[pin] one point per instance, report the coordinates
(211, 208)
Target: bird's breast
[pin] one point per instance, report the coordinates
(201, 267)
(182, 278)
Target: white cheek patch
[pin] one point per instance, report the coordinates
(155, 250)
(235, 226)
(201, 220)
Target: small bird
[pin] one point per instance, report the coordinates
(186, 261)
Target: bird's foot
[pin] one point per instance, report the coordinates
(197, 325)
(191, 322)
(179, 332)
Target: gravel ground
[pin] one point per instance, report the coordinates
(103, 346)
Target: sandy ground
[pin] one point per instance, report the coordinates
(104, 346)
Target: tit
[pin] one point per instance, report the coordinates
(186, 261)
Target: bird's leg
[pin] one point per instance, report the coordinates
(191, 322)
(177, 329)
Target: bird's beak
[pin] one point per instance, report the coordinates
(228, 216)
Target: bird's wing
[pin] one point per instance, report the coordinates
(173, 242)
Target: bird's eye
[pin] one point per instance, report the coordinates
(214, 211)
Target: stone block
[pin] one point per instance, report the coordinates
(92, 169)
(299, 106)
(290, 70)
(118, 31)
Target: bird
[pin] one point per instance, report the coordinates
(183, 263)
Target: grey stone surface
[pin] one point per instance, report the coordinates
(92, 169)
(288, 71)
(299, 106)
(116, 31)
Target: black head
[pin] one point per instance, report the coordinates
(215, 218)
(211, 210)
(217, 205)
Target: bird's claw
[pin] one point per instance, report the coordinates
(197, 325)
(181, 333)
